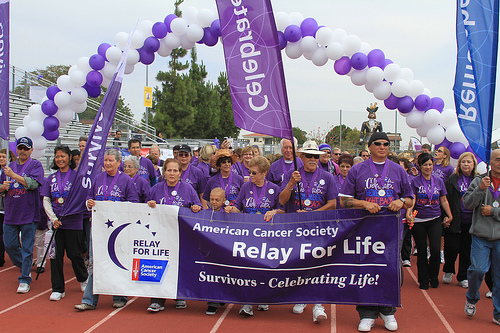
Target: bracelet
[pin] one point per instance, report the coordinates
(289, 189)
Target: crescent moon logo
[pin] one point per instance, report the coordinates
(111, 245)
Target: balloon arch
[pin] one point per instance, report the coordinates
(298, 36)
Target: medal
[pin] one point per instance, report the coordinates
(60, 200)
(496, 204)
(307, 202)
(16, 185)
(227, 203)
(381, 193)
(174, 192)
(258, 212)
(322, 182)
(308, 186)
(271, 191)
(53, 180)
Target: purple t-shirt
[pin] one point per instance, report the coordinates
(322, 189)
(123, 189)
(463, 183)
(330, 167)
(427, 208)
(142, 186)
(339, 181)
(51, 189)
(23, 206)
(245, 201)
(146, 170)
(205, 168)
(194, 161)
(195, 177)
(362, 184)
(232, 189)
(186, 196)
(442, 172)
(277, 171)
(240, 169)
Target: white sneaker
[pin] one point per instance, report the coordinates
(299, 308)
(246, 310)
(83, 285)
(442, 256)
(406, 263)
(464, 283)
(447, 277)
(366, 324)
(23, 288)
(489, 294)
(390, 322)
(319, 314)
(56, 296)
(263, 307)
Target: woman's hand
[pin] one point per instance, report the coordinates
(228, 209)
(56, 224)
(195, 208)
(90, 203)
(270, 214)
(152, 203)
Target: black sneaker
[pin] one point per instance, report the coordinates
(211, 310)
(40, 269)
(434, 283)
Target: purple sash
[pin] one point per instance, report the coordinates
(380, 179)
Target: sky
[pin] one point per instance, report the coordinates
(419, 35)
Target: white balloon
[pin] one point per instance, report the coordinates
(164, 50)
(62, 99)
(481, 168)
(190, 14)
(400, 88)
(39, 143)
(129, 69)
(132, 57)
(416, 87)
(79, 107)
(435, 135)
(358, 78)
(374, 75)
(83, 65)
(35, 128)
(21, 132)
(37, 154)
(282, 20)
(427, 92)
(334, 51)
(454, 133)
(172, 41)
(352, 44)
(35, 112)
(308, 55)
(339, 35)
(64, 83)
(392, 72)
(145, 28)
(422, 130)
(114, 54)
(178, 26)
(64, 115)
(365, 48)
(308, 44)
(26, 120)
(382, 91)
(448, 118)
(109, 70)
(121, 40)
(324, 36)
(206, 17)
(406, 74)
(432, 117)
(415, 119)
(319, 57)
(77, 78)
(186, 43)
(296, 18)
(105, 82)
(369, 86)
(79, 95)
(137, 40)
(293, 50)
(194, 33)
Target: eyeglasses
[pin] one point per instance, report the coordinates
(338, 154)
(377, 143)
(183, 154)
(311, 156)
(23, 148)
(365, 155)
(128, 167)
(253, 173)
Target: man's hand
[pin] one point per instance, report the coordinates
(485, 183)
(486, 210)
(372, 207)
(396, 205)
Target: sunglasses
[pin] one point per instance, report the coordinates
(338, 154)
(183, 154)
(365, 155)
(311, 156)
(377, 143)
(253, 173)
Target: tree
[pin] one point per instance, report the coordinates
(349, 136)
(300, 135)
(226, 117)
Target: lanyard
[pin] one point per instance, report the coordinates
(380, 179)
(228, 186)
(106, 191)
(169, 198)
(429, 191)
(307, 185)
(14, 167)
(62, 184)
(258, 200)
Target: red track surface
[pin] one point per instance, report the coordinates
(435, 310)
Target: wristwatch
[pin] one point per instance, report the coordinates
(403, 199)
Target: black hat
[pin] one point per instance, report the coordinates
(184, 148)
(25, 141)
(378, 136)
(176, 147)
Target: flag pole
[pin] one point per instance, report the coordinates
(45, 254)
(296, 169)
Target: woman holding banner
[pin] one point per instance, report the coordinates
(346, 161)
(69, 233)
(173, 192)
(242, 168)
(130, 167)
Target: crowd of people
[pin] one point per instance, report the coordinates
(434, 200)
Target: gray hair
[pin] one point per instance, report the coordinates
(294, 140)
(154, 146)
(336, 148)
(114, 152)
(134, 160)
(357, 159)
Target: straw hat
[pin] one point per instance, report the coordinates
(310, 147)
(223, 153)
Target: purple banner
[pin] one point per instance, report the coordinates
(339, 256)
(4, 69)
(254, 67)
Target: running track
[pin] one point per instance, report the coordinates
(434, 310)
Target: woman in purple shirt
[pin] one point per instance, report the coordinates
(69, 228)
(442, 167)
(345, 163)
(131, 167)
(430, 197)
(241, 168)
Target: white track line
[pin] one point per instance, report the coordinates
(432, 304)
(6, 269)
(109, 316)
(221, 319)
(31, 298)
(333, 316)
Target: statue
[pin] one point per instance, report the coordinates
(370, 126)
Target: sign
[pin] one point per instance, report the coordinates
(148, 97)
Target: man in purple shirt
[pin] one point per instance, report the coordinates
(20, 183)
(370, 185)
(281, 166)
(146, 168)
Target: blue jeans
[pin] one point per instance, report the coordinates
(88, 295)
(483, 254)
(21, 254)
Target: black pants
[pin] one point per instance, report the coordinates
(86, 235)
(2, 246)
(455, 244)
(71, 241)
(406, 245)
(428, 269)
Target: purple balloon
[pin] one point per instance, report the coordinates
(405, 104)
(282, 40)
(391, 102)
(376, 58)
(92, 91)
(215, 28)
(51, 123)
(168, 20)
(52, 91)
(151, 44)
(422, 102)
(457, 149)
(293, 33)
(51, 135)
(102, 50)
(437, 103)
(309, 27)
(147, 58)
(342, 66)
(445, 143)
(94, 79)
(386, 62)
(359, 60)
(208, 37)
(49, 107)
(160, 30)
(97, 62)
